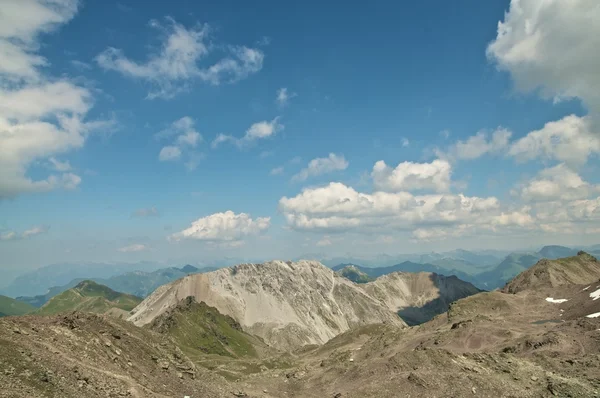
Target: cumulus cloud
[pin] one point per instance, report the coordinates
(175, 66)
(568, 140)
(283, 97)
(145, 212)
(337, 207)
(551, 46)
(321, 166)
(257, 131)
(33, 231)
(40, 117)
(478, 145)
(557, 183)
(138, 247)
(223, 227)
(186, 139)
(409, 176)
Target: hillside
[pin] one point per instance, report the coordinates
(580, 269)
(89, 296)
(510, 267)
(197, 326)
(286, 304)
(351, 272)
(10, 306)
(418, 297)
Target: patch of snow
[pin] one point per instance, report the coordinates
(594, 315)
(595, 294)
(586, 288)
(557, 301)
(561, 310)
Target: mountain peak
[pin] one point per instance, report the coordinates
(580, 269)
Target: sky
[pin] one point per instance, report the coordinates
(182, 131)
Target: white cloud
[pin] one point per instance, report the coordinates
(552, 46)
(568, 140)
(226, 226)
(337, 207)
(257, 131)
(557, 183)
(58, 165)
(283, 97)
(409, 176)
(33, 231)
(277, 171)
(169, 153)
(40, 117)
(145, 212)
(321, 166)
(405, 142)
(138, 247)
(478, 145)
(173, 68)
(187, 139)
(81, 66)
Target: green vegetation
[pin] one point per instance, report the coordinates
(354, 274)
(197, 326)
(10, 306)
(89, 296)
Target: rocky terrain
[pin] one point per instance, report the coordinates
(286, 304)
(542, 341)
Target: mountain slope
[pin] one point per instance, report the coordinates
(418, 297)
(510, 267)
(351, 272)
(10, 306)
(89, 296)
(287, 304)
(580, 269)
(198, 326)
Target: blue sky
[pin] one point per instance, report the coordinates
(488, 133)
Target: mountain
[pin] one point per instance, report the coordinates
(418, 297)
(38, 282)
(580, 269)
(137, 283)
(286, 304)
(511, 266)
(553, 252)
(10, 306)
(89, 296)
(197, 326)
(406, 266)
(351, 272)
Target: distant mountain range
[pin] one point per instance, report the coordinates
(483, 276)
(89, 296)
(137, 283)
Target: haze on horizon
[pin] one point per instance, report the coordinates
(186, 132)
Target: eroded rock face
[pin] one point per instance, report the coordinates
(288, 304)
